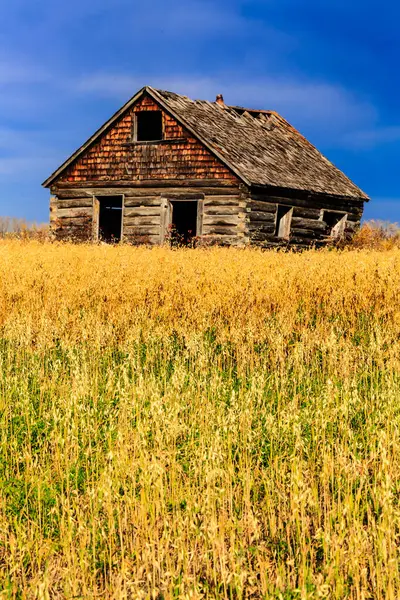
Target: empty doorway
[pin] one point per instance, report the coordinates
(184, 221)
(110, 219)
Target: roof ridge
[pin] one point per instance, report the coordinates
(278, 155)
(289, 161)
(249, 110)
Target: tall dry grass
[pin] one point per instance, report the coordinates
(377, 235)
(212, 423)
(18, 228)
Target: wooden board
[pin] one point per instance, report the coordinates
(182, 195)
(143, 201)
(142, 211)
(261, 226)
(141, 221)
(197, 184)
(313, 202)
(137, 240)
(138, 230)
(260, 206)
(217, 221)
(73, 221)
(222, 200)
(85, 202)
(299, 223)
(223, 210)
(304, 233)
(223, 240)
(261, 216)
(69, 194)
(74, 212)
(258, 236)
(306, 213)
(217, 230)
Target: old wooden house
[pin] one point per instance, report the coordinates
(166, 167)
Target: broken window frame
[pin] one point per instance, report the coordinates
(167, 212)
(337, 230)
(136, 126)
(283, 222)
(96, 215)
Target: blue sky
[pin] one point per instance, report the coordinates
(329, 66)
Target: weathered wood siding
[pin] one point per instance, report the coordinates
(72, 217)
(223, 211)
(142, 216)
(224, 218)
(116, 157)
(231, 215)
(307, 224)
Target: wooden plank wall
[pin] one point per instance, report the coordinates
(142, 216)
(231, 215)
(224, 218)
(224, 211)
(307, 226)
(223, 214)
(71, 215)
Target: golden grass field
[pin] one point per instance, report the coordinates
(213, 423)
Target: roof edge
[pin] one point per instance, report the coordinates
(93, 138)
(205, 143)
(268, 186)
(159, 99)
(363, 196)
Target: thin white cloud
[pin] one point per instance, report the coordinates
(202, 19)
(18, 167)
(175, 19)
(12, 140)
(20, 71)
(319, 106)
(25, 154)
(25, 87)
(367, 139)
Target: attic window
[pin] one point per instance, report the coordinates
(283, 221)
(335, 223)
(148, 126)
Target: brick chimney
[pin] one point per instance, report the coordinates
(220, 100)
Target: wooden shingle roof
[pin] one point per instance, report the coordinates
(259, 146)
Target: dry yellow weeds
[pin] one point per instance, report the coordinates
(211, 423)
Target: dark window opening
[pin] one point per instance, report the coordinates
(149, 126)
(110, 219)
(283, 221)
(184, 222)
(335, 223)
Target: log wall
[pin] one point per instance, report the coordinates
(231, 214)
(307, 224)
(71, 218)
(223, 219)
